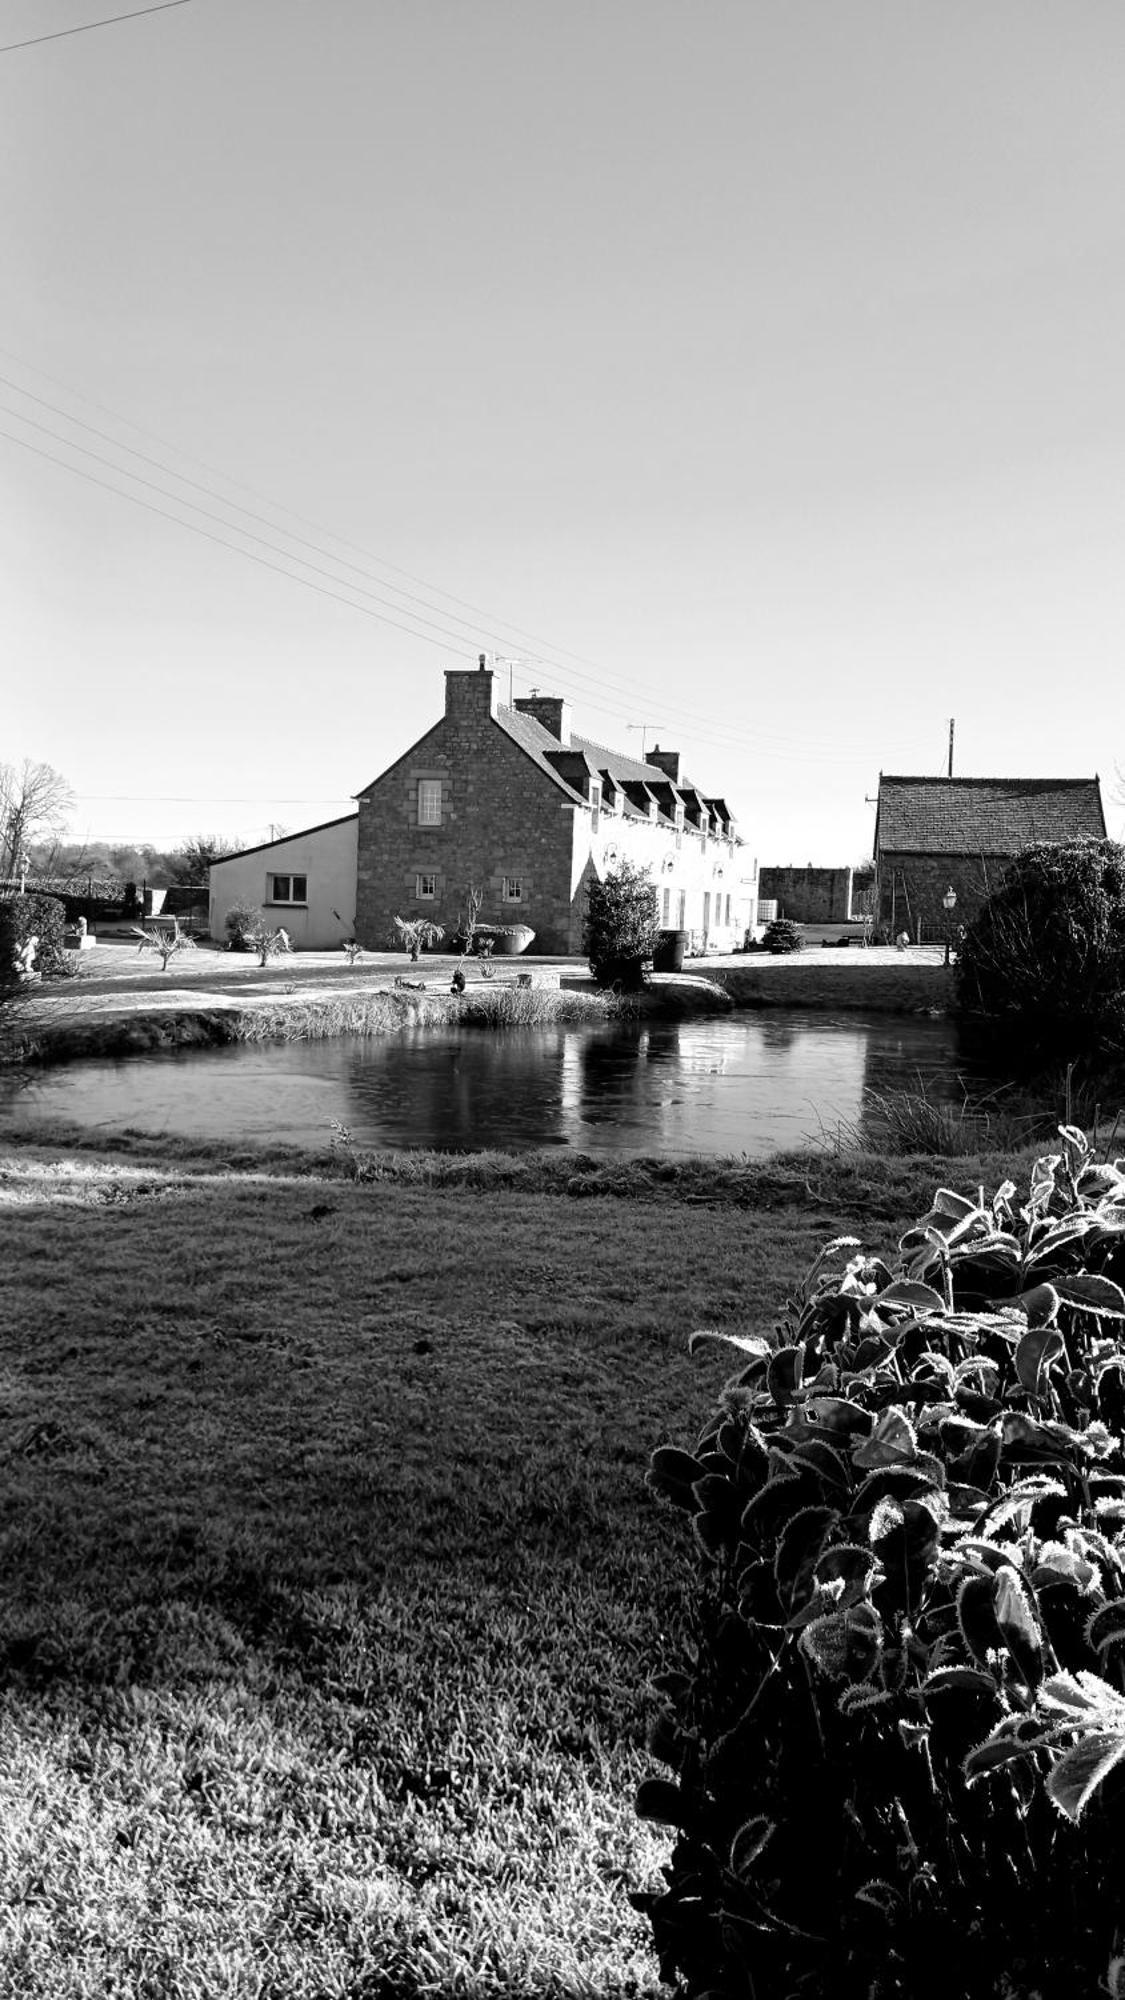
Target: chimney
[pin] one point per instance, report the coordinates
(469, 693)
(551, 711)
(667, 761)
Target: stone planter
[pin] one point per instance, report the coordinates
(509, 943)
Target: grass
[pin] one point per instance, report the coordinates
(332, 1588)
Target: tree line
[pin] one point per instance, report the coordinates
(37, 806)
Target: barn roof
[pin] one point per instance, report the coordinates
(984, 815)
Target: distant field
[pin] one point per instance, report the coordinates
(332, 1587)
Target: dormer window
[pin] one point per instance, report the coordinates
(595, 803)
(678, 816)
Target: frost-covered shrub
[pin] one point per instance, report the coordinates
(899, 1745)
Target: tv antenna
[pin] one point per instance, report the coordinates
(644, 728)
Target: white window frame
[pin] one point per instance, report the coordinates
(290, 880)
(511, 889)
(421, 893)
(429, 801)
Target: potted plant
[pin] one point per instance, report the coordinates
(415, 934)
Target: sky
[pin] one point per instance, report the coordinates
(752, 372)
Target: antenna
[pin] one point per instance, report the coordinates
(644, 728)
(949, 773)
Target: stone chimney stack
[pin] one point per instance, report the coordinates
(551, 711)
(667, 761)
(468, 692)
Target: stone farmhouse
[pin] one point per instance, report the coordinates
(513, 801)
(937, 834)
(510, 800)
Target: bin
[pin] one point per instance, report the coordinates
(671, 949)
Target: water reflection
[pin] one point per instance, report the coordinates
(753, 1084)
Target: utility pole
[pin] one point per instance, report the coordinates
(949, 773)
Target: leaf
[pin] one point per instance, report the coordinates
(1019, 1626)
(783, 1376)
(749, 1343)
(1080, 1770)
(748, 1843)
(674, 1472)
(1093, 1294)
(917, 1298)
(1106, 1626)
(1039, 1347)
(892, 1442)
(971, 1680)
(660, 1800)
(881, 1896)
(999, 1748)
(845, 1644)
(837, 1415)
(976, 1617)
(798, 1548)
(1041, 1304)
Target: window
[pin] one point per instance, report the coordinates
(425, 888)
(667, 905)
(429, 801)
(289, 889)
(595, 803)
(513, 889)
(679, 817)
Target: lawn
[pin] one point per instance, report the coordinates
(332, 1588)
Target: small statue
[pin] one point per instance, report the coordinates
(457, 983)
(80, 927)
(24, 963)
(902, 940)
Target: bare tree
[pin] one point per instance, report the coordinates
(188, 863)
(35, 804)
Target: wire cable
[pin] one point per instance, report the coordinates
(85, 27)
(671, 714)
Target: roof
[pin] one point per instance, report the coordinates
(532, 737)
(984, 815)
(283, 839)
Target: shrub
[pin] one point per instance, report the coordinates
(899, 1741)
(43, 917)
(241, 924)
(1045, 954)
(416, 934)
(782, 935)
(621, 927)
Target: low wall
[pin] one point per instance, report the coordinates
(800, 981)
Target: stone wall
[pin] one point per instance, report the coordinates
(801, 980)
(808, 895)
(503, 815)
(500, 815)
(911, 888)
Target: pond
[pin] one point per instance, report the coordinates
(751, 1083)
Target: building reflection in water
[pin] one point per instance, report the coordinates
(753, 1084)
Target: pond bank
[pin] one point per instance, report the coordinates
(120, 1010)
(841, 980)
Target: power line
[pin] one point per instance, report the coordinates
(802, 751)
(675, 715)
(85, 27)
(209, 537)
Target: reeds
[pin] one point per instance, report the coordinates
(531, 1007)
(899, 1123)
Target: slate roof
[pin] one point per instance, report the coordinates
(536, 741)
(984, 815)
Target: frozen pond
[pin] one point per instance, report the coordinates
(749, 1083)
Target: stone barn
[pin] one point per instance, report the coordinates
(937, 834)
